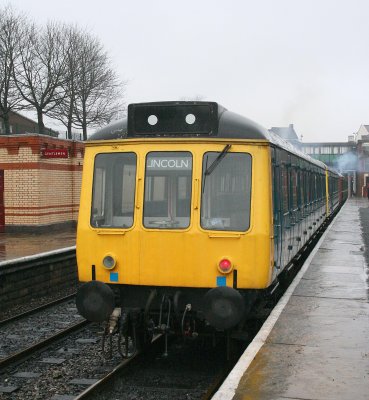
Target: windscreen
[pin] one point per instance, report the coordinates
(168, 187)
(113, 190)
(226, 191)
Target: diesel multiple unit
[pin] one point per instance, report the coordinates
(189, 211)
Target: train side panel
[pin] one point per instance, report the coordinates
(299, 204)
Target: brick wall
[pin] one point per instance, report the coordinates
(33, 277)
(40, 192)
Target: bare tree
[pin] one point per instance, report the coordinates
(11, 34)
(40, 74)
(92, 91)
(98, 92)
(63, 112)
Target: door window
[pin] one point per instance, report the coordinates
(168, 188)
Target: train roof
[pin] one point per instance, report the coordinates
(210, 120)
(192, 119)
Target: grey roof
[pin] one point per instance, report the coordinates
(327, 144)
(289, 146)
(228, 125)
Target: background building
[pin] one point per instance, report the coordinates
(350, 158)
(40, 180)
(20, 124)
(341, 156)
(287, 133)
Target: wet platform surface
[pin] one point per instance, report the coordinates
(16, 245)
(319, 347)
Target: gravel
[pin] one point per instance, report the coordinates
(186, 373)
(37, 302)
(20, 334)
(80, 360)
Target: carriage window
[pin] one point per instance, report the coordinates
(226, 192)
(168, 184)
(113, 190)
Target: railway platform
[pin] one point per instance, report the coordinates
(315, 343)
(17, 245)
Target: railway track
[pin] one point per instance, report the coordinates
(38, 372)
(54, 351)
(30, 350)
(194, 373)
(70, 365)
(81, 373)
(22, 334)
(36, 309)
(190, 371)
(64, 368)
(100, 383)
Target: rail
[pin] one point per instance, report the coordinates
(36, 309)
(29, 351)
(111, 374)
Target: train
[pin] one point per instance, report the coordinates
(188, 214)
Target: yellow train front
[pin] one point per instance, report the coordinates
(187, 214)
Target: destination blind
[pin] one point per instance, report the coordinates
(169, 163)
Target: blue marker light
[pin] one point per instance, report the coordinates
(113, 276)
(221, 281)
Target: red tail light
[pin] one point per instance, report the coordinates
(225, 266)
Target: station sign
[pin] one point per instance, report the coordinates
(54, 153)
(169, 164)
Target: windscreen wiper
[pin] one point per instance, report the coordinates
(216, 162)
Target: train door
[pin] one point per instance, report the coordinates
(283, 191)
(168, 186)
(364, 191)
(299, 203)
(332, 191)
(2, 207)
(277, 209)
(305, 200)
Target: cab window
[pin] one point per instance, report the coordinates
(168, 188)
(113, 190)
(226, 191)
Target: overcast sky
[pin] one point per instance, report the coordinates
(275, 61)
